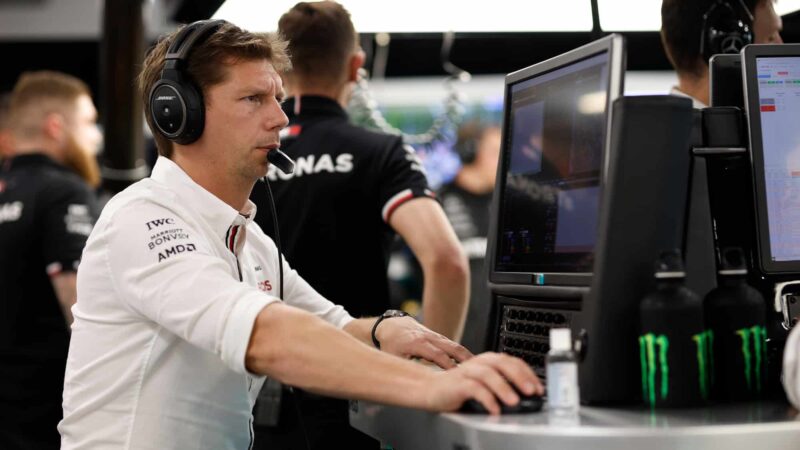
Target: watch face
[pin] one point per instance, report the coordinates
(394, 313)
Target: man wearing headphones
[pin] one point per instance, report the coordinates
(178, 317)
(694, 30)
(46, 214)
(466, 201)
(358, 188)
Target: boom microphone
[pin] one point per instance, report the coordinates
(281, 161)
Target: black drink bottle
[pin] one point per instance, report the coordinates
(736, 316)
(673, 345)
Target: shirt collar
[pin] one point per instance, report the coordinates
(311, 105)
(214, 211)
(696, 104)
(34, 159)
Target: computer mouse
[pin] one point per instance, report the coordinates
(526, 404)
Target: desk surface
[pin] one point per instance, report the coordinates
(755, 426)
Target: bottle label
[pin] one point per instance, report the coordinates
(754, 352)
(562, 385)
(654, 355)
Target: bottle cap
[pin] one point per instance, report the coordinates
(670, 265)
(560, 339)
(733, 262)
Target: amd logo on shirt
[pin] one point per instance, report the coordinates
(10, 212)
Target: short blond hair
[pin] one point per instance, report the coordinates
(37, 94)
(208, 64)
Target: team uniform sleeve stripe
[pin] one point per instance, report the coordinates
(54, 269)
(397, 200)
(401, 197)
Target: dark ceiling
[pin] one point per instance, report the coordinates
(408, 54)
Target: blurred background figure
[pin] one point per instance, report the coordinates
(46, 213)
(685, 25)
(6, 144)
(466, 202)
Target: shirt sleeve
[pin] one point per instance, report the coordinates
(401, 178)
(68, 213)
(791, 367)
(165, 270)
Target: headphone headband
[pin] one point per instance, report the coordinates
(190, 34)
(727, 27)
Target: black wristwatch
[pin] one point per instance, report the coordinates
(387, 315)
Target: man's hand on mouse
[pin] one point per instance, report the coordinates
(407, 338)
(485, 378)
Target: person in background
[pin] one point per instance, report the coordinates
(466, 201)
(6, 141)
(358, 189)
(46, 214)
(682, 29)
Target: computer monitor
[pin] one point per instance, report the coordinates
(772, 98)
(725, 73)
(552, 165)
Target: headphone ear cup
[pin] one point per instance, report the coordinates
(725, 30)
(178, 110)
(467, 150)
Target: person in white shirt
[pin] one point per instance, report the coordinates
(178, 318)
(683, 28)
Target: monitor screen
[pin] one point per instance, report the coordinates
(778, 85)
(551, 168)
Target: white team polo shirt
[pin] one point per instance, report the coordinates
(170, 283)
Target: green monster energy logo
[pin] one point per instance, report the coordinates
(753, 361)
(705, 357)
(653, 354)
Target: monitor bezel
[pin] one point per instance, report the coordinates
(614, 45)
(752, 107)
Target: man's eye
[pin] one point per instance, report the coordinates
(253, 98)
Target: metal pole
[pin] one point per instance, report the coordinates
(121, 55)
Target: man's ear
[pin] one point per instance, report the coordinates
(53, 126)
(355, 63)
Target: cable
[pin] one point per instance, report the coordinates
(277, 234)
(364, 110)
(299, 411)
(295, 396)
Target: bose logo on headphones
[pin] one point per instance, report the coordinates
(165, 97)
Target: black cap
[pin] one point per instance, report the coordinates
(733, 262)
(670, 265)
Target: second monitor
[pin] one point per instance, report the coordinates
(552, 165)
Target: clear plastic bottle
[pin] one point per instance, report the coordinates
(562, 373)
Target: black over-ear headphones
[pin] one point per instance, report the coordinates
(176, 102)
(467, 141)
(727, 27)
